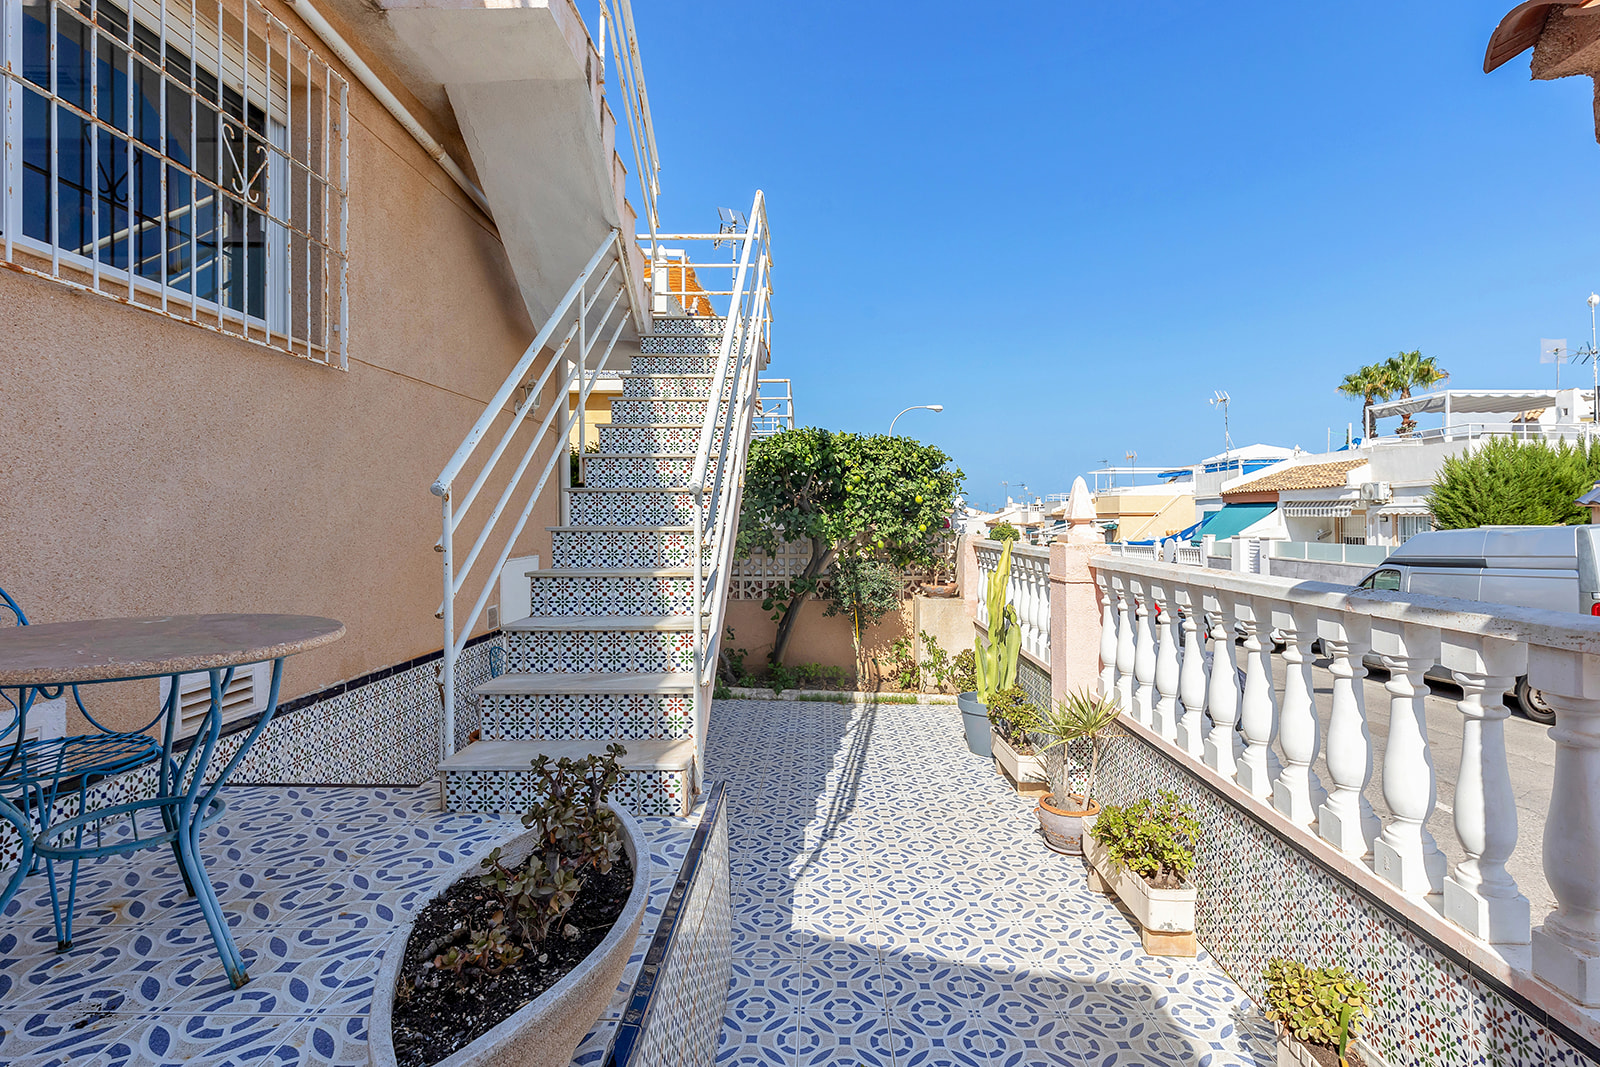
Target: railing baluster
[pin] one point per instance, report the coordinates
(1144, 659)
(1258, 710)
(1566, 949)
(1297, 791)
(1346, 819)
(1192, 678)
(1224, 691)
(1125, 651)
(1166, 711)
(1480, 895)
(1405, 852)
(1108, 638)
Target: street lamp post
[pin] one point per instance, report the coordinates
(914, 407)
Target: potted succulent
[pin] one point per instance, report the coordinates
(1012, 722)
(520, 952)
(1318, 1010)
(1081, 717)
(1143, 852)
(994, 658)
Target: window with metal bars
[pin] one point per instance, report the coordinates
(184, 157)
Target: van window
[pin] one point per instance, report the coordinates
(1386, 580)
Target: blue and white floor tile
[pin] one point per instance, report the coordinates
(894, 906)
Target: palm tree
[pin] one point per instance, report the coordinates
(1409, 369)
(1370, 384)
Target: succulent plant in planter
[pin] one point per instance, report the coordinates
(1318, 1011)
(1143, 852)
(1012, 722)
(1081, 717)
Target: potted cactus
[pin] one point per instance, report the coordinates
(994, 657)
(1080, 717)
(1318, 1010)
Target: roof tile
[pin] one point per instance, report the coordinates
(1300, 476)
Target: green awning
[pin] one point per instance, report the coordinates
(1233, 520)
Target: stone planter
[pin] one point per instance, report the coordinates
(1165, 916)
(975, 721)
(1064, 829)
(1022, 768)
(545, 1032)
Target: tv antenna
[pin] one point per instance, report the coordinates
(1553, 350)
(1222, 400)
(729, 222)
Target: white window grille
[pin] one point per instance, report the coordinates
(185, 157)
(1408, 526)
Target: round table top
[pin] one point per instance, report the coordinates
(103, 650)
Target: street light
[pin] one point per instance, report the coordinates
(914, 407)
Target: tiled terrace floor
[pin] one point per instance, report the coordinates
(893, 904)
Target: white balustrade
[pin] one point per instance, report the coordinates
(1191, 678)
(1027, 590)
(1165, 720)
(1144, 658)
(1159, 674)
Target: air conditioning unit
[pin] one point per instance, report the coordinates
(1377, 492)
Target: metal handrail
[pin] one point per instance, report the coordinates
(581, 333)
(618, 16)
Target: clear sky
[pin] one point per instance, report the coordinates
(1070, 223)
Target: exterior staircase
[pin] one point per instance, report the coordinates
(608, 653)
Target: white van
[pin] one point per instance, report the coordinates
(1552, 567)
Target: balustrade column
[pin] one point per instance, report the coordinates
(1144, 660)
(1405, 853)
(1165, 719)
(1566, 949)
(1108, 639)
(1480, 895)
(1346, 819)
(1125, 651)
(1297, 791)
(1258, 711)
(1192, 678)
(1224, 691)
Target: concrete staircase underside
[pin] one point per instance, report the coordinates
(606, 654)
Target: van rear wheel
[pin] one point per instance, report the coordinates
(1534, 705)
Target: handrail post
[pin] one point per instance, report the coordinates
(447, 667)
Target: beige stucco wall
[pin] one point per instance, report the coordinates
(817, 637)
(1140, 516)
(151, 467)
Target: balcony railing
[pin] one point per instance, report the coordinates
(1159, 621)
(1028, 590)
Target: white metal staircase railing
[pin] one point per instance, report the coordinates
(581, 332)
(616, 17)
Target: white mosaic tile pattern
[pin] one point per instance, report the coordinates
(893, 904)
(603, 651)
(312, 881)
(564, 717)
(620, 507)
(623, 549)
(642, 439)
(648, 385)
(639, 412)
(606, 594)
(677, 363)
(653, 792)
(614, 472)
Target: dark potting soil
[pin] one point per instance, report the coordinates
(431, 1022)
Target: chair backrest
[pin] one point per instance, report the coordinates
(11, 606)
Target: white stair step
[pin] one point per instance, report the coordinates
(612, 572)
(584, 684)
(517, 755)
(621, 529)
(653, 623)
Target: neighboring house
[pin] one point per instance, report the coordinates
(1144, 512)
(1211, 474)
(1563, 35)
(258, 297)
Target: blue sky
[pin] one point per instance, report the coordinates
(1071, 224)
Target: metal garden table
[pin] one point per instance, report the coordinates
(47, 655)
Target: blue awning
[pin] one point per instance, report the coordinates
(1233, 519)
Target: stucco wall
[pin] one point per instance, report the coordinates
(152, 467)
(817, 638)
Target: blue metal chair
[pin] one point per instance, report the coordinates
(37, 775)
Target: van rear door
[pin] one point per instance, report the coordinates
(1589, 569)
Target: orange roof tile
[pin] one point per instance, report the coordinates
(1301, 476)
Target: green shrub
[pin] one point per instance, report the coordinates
(1318, 1005)
(1004, 532)
(965, 674)
(1014, 717)
(902, 665)
(1152, 838)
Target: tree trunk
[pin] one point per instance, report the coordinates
(821, 559)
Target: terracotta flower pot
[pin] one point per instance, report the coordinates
(1063, 829)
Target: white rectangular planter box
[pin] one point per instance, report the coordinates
(1165, 916)
(1292, 1053)
(1021, 768)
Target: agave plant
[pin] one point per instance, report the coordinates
(1082, 716)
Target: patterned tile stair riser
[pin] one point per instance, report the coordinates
(602, 594)
(623, 549)
(641, 440)
(646, 386)
(490, 792)
(621, 507)
(565, 717)
(639, 472)
(646, 412)
(599, 651)
(673, 364)
(1259, 898)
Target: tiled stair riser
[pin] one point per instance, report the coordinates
(619, 507)
(640, 440)
(640, 792)
(673, 364)
(571, 716)
(599, 650)
(600, 595)
(625, 549)
(646, 412)
(644, 387)
(638, 472)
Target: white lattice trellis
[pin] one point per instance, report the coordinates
(753, 578)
